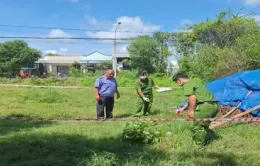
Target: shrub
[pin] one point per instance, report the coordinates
(74, 72)
(141, 132)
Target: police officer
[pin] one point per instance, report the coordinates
(144, 88)
(201, 104)
(105, 88)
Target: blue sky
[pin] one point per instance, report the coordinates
(135, 15)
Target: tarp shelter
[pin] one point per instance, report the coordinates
(241, 89)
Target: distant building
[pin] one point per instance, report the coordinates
(57, 64)
(93, 59)
(172, 66)
(60, 64)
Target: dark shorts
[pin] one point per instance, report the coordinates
(105, 103)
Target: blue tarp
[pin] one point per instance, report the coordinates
(235, 88)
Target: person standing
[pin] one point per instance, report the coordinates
(104, 89)
(201, 104)
(144, 88)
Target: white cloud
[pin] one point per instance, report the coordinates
(183, 26)
(186, 22)
(91, 20)
(49, 52)
(58, 33)
(130, 24)
(252, 2)
(122, 49)
(60, 51)
(63, 49)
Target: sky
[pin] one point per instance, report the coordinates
(99, 18)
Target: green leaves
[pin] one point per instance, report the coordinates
(14, 54)
(141, 132)
(144, 52)
(226, 45)
(105, 65)
(150, 53)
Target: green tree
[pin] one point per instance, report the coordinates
(75, 69)
(183, 42)
(162, 38)
(127, 64)
(74, 72)
(15, 54)
(250, 44)
(225, 29)
(105, 64)
(76, 65)
(219, 47)
(51, 54)
(144, 53)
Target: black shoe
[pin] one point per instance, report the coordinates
(100, 119)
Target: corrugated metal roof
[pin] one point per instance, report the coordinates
(96, 56)
(59, 59)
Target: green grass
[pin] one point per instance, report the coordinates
(99, 143)
(124, 79)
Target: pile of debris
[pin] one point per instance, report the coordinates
(232, 111)
(238, 95)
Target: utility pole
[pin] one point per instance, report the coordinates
(114, 60)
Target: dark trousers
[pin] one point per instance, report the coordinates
(107, 102)
(201, 130)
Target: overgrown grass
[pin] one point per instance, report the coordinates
(124, 79)
(100, 143)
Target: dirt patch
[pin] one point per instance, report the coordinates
(225, 109)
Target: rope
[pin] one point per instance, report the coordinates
(240, 120)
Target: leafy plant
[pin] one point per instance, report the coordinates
(105, 65)
(74, 72)
(15, 54)
(141, 132)
(76, 65)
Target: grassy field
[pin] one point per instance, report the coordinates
(99, 143)
(124, 79)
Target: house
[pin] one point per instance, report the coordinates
(120, 57)
(57, 64)
(60, 64)
(93, 59)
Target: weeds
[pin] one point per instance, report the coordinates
(124, 79)
(141, 132)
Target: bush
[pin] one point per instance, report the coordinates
(212, 63)
(105, 65)
(74, 72)
(141, 132)
(10, 80)
(124, 79)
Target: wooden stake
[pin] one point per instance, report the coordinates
(236, 116)
(231, 111)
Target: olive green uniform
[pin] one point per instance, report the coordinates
(206, 108)
(146, 86)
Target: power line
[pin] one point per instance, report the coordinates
(67, 29)
(73, 42)
(92, 43)
(59, 38)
